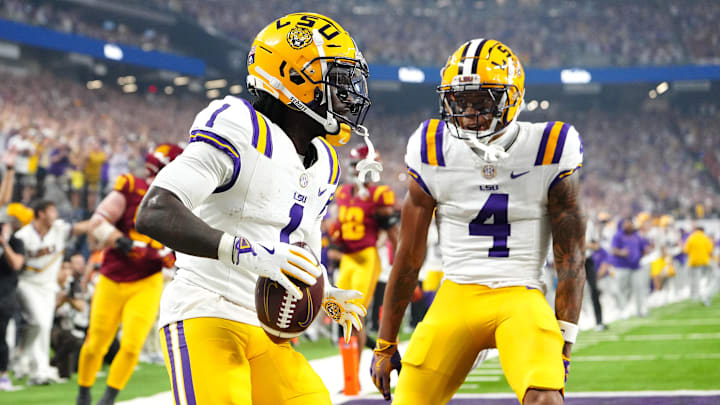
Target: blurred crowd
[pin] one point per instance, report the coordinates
(52, 15)
(71, 142)
(548, 33)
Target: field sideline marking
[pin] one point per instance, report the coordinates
(601, 394)
(647, 357)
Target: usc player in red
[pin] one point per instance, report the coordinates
(364, 210)
(130, 284)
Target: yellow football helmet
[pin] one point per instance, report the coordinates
(311, 64)
(481, 78)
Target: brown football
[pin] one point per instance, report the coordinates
(281, 316)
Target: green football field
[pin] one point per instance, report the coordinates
(677, 347)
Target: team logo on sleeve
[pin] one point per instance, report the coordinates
(489, 171)
(299, 37)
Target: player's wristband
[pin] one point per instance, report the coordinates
(382, 344)
(569, 331)
(226, 249)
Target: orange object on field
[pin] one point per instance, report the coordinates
(350, 358)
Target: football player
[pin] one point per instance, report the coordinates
(502, 189)
(130, 283)
(254, 179)
(365, 210)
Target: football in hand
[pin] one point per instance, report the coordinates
(282, 316)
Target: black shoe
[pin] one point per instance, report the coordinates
(108, 397)
(83, 397)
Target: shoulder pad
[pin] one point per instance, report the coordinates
(384, 195)
(232, 124)
(125, 183)
(331, 153)
(552, 143)
(431, 142)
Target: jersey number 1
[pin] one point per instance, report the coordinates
(496, 206)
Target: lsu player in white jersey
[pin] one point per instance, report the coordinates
(254, 179)
(501, 189)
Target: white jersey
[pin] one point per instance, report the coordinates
(44, 254)
(262, 192)
(433, 257)
(493, 220)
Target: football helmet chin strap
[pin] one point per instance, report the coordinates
(329, 123)
(368, 166)
(492, 151)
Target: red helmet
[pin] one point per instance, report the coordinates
(161, 156)
(358, 152)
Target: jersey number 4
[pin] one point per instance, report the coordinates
(496, 207)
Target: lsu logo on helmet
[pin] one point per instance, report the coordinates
(299, 37)
(486, 75)
(309, 62)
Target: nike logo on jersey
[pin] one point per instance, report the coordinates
(272, 252)
(515, 176)
(321, 192)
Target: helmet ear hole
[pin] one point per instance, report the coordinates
(296, 77)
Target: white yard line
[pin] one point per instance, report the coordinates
(648, 357)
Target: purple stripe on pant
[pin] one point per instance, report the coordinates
(168, 341)
(185, 360)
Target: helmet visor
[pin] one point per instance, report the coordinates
(346, 89)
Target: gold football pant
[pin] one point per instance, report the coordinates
(135, 304)
(467, 318)
(360, 271)
(213, 361)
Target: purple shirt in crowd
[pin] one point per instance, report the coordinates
(58, 168)
(634, 243)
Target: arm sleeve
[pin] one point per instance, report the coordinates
(422, 174)
(17, 245)
(196, 173)
(572, 156)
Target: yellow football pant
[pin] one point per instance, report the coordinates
(213, 361)
(360, 271)
(135, 304)
(432, 281)
(465, 319)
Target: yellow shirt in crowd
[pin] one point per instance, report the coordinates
(699, 249)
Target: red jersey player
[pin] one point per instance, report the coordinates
(364, 210)
(130, 284)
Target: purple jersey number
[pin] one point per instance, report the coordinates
(214, 115)
(496, 206)
(296, 214)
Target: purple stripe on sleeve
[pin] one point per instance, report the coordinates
(254, 118)
(416, 176)
(543, 144)
(560, 143)
(168, 342)
(185, 360)
(562, 175)
(268, 142)
(439, 143)
(423, 142)
(224, 145)
(332, 163)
